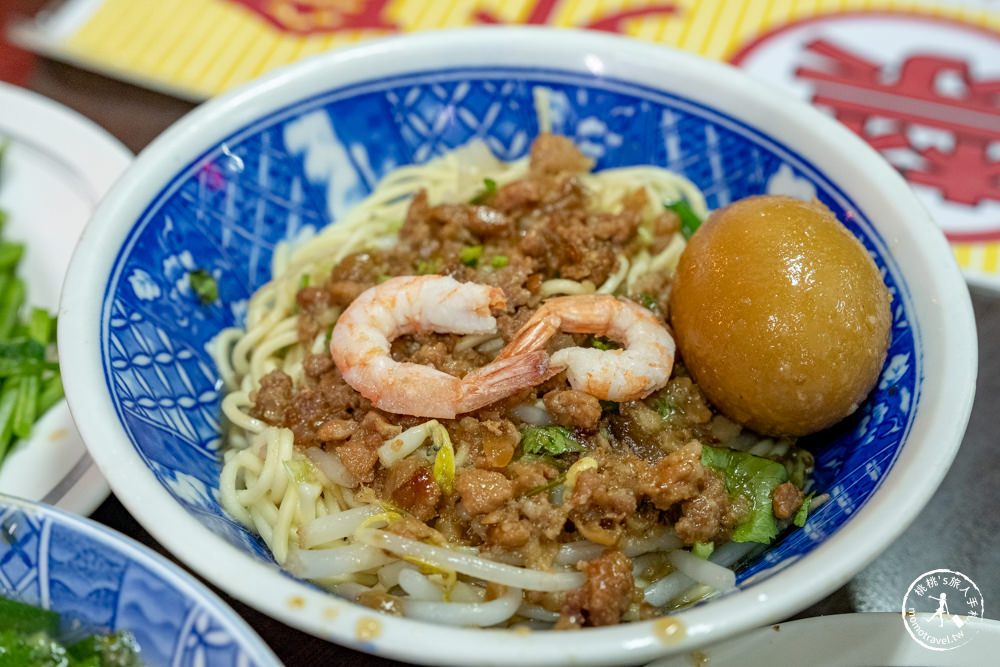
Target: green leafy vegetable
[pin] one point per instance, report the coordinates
(10, 255)
(703, 549)
(803, 513)
(26, 408)
(665, 406)
(29, 638)
(429, 266)
(118, 649)
(690, 222)
(29, 376)
(11, 301)
(754, 478)
(204, 285)
(8, 404)
(41, 326)
(490, 189)
(303, 281)
(470, 255)
(23, 617)
(51, 393)
(500, 261)
(608, 406)
(649, 302)
(602, 343)
(554, 440)
(22, 356)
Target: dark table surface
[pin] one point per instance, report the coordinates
(959, 528)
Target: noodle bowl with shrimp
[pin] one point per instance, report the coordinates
(462, 403)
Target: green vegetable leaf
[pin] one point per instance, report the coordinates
(427, 267)
(8, 403)
(608, 406)
(10, 255)
(553, 440)
(754, 478)
(50, 394)
(649, 302)
(118, 649)
(602, 343)
(490, 189)
(41, 326)
(665, 407)
(36, 649)
(204, 285)
(703, 549)
(10, 307)
(500, 261)
(803, 513)
(689, 221)
(23, 617)
(23, 356)
(26, 407)
(470, 255)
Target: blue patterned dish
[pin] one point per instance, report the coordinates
(299, 148)
(100, 581)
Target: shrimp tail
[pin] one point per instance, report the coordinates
(534, 335)
(503, 377)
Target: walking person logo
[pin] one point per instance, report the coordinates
(938, 607)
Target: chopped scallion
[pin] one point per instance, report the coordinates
(204, 285)
(690, 222)
(470, 255)
(490, 188)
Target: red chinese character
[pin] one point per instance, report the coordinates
(542, 11)
(312, 16)
(856, 89)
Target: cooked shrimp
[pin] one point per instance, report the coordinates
(642, 367)
(407, 304)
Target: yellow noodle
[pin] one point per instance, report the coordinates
(256, 483)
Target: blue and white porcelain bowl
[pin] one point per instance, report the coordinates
(298, 148)
(100, 581)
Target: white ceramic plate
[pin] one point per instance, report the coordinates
(57, 167)
(848, 639)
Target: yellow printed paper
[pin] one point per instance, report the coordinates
(920, 81)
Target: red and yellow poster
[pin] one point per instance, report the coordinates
(920, 81)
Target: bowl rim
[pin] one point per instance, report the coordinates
(915, 475)
(174, 575)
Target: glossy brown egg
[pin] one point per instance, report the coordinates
(780, 315)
